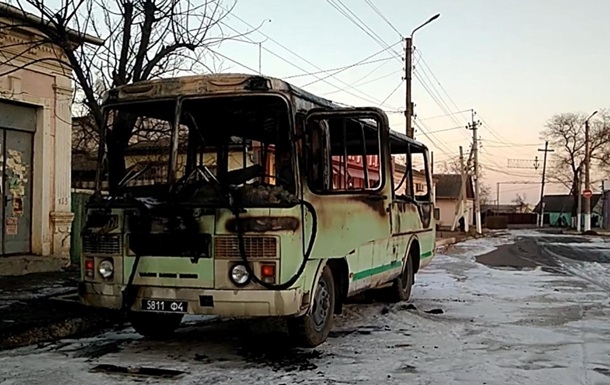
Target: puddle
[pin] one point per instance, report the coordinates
(137, 371)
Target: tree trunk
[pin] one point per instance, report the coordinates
(116, 161)
(117, 141)
(574, 196)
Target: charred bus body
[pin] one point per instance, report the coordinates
(282, 231)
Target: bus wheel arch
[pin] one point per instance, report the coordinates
(414, 251)
(403, 284)
(312, 328)
(340, 271)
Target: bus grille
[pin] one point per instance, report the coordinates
(102, 244)
(256, 247)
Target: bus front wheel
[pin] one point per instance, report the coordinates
(155, 325)
(313, 328)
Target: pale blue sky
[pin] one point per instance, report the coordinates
(515, 62)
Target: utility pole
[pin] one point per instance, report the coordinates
(498, 195)
(462, 199)
(546, 150)
(474, 125)
(604, 205)
(579, 208)
(408, 76)
(587, 182)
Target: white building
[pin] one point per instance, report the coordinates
(35, 148)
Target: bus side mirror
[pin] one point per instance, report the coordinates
(437, 213)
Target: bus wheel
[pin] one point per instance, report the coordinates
(312, 329)
(401, 290)
(155, 325)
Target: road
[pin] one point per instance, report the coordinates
(533, 309)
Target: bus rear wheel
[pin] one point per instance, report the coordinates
(155, 325)
(401, 289)
(313, 328)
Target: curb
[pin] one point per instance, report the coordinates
(445, 242)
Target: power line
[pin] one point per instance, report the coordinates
(232, 60)
(434, 98)
(353, 65)
(367, 97)
(438, 81)
(360, 24)
(448, 129)
(391, 93)
(444, 115)
(377, 11)
(338, 68)
(358, 84)
(441, 146)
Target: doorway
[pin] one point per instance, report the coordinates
(17, 127)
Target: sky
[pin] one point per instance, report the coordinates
(515, 63)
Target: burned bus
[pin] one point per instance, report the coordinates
(260, 212)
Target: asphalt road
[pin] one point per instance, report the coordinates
(466, 324)
(583, 256)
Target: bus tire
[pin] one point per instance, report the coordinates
(313, 328)
(401, 289)
(155, 325)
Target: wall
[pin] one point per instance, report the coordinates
(447, 211)
(45, 87)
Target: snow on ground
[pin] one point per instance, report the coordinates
(496, 327)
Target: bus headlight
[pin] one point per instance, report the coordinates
(106, 268)
(239, 275)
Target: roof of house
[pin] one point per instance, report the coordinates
(32, 20)
(563, 203)
(448, 186)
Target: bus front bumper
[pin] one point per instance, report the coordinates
(226, 303)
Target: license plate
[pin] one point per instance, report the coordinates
(159, 305)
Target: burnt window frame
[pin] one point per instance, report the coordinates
(357, 114)
(289, 120)
(412, 147)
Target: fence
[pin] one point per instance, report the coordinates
(79, 201)
(512, 218)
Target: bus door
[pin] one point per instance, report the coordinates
(413, 204)
(348, 176)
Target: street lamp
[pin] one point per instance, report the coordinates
(408, 68)
(260, 51)
(587, 176)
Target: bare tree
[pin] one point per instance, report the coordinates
(566, 134)
(521, 202)
(450, 166)
(143, 40)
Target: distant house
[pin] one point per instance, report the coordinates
(419, 180)
(154, 155)
(447, 194)
(558, 210)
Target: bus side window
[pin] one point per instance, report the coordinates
(345, 156)
(421, 185)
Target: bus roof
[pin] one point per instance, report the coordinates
(225, 83)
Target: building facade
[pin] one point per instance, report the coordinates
(448, 188)
(35, 149)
